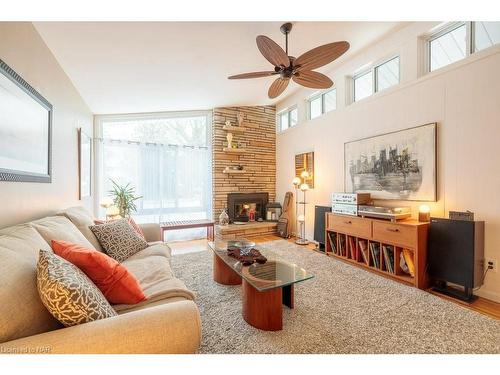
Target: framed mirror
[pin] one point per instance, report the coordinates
(25, 130)
(304, 168)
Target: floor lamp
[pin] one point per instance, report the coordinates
(302, 218)
(296, 183)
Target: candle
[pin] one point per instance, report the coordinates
(424, 213)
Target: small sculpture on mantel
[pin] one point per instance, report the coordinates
(229, 138)
(224, 217)
(228, 123)
(239, 117)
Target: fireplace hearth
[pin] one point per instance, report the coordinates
(247, 206)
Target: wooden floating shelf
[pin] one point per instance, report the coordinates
(235, 129)
(233, 171)
(234, 150)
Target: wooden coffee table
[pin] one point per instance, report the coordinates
(265, 287)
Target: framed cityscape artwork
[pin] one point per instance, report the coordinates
(25, 130)
(399, 165)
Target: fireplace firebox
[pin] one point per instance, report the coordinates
(247, 206)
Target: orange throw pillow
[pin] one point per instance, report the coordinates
(116, 283)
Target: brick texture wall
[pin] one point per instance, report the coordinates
(259, 160)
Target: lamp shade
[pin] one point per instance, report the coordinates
(112, 211)
(304, 174)
(304, 187)
(106, 202)
(296, 181)
(301, 218)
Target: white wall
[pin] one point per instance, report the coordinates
(24, 51)
(462, 98)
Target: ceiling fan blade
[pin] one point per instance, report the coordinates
(272, 51)
(321, 55)
(313, 80)
(252, 75)
(277, 87)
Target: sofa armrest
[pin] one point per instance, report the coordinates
(168, 328)
(151, 231)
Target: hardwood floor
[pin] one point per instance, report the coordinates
(481, 305)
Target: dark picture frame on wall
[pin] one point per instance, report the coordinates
(25, 130)
(400, 165)
(84, 165)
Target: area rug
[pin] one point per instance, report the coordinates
(343, 309)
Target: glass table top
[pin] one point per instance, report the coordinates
(275, 273)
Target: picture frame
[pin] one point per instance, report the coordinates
(25, 130)
(84, 165)
(400, 165)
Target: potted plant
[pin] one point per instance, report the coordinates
(124, 198)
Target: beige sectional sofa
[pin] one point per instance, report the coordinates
(167, 322)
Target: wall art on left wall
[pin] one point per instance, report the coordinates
(25, 130)
(84, 164)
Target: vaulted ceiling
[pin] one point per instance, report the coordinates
(127, 67)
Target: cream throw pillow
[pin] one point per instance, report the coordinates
(69, 295)
(118, 239)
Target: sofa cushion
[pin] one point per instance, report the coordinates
(155, 248)
(22, 312)
(62, 229)
(82, 220)
(117, 283)
(68, 293)
(151, 267)
(118, 239)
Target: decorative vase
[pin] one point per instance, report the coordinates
(223, 218)
(229, 138)
(239, 116)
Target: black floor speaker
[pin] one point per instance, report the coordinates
(456, 255)
(319, 224)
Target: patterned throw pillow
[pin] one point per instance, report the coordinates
(118, 239)
(68, 293)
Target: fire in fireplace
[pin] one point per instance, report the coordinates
(247, 206)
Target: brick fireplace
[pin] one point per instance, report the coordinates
(257, 154)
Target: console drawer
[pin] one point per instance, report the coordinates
(352, 225)
(393, 233)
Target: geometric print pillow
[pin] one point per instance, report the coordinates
(118, 239)
(68, 293)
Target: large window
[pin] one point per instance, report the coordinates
(287, 118)
(322, 103)
(166, 157)
(455, 41)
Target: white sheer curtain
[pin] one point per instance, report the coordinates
(166, 157)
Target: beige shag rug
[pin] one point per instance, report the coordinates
(343, 309)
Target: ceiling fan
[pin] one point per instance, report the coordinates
(299, 69)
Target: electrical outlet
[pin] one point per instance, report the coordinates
(491, 263)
